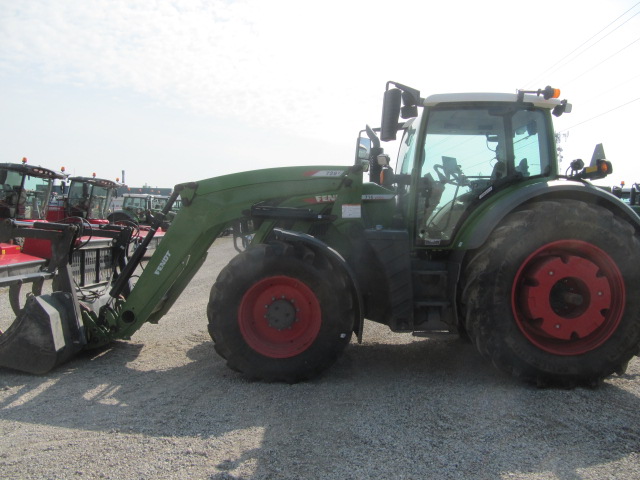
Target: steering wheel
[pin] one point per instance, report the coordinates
(454, 178)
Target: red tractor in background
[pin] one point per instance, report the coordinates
(84, 197)
(27, 196)
(25, 192)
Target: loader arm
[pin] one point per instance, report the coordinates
(208, 207)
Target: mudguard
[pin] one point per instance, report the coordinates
(483, 221)
(336, 259)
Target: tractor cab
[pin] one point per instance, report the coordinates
(461, 153)
(90, 197)
(458, 150)
(87, 198)
(139, 205)
(629, 195)
(140, 209)
(25, 190)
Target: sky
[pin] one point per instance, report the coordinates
(175, 91)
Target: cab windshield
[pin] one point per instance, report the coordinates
(469, 152)
(100, 200)
(88, 201)
(158, 203)
(24, 201)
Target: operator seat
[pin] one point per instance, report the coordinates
(523, 167)
(499, 171)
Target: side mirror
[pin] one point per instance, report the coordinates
(390, 113)
(564, 107)
(363, 149)
(409, 105)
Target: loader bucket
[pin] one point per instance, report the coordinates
(45, 334)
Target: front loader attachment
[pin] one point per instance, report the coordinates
(48, 330)
(45, 334)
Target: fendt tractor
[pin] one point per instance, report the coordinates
(629, 195)
(476, 233)
(139, 208)
(84, 197)
(85, 201)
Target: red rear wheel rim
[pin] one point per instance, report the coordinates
(279, 317)
(568, 297)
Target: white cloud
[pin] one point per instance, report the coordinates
(274, 62)
(314, 70)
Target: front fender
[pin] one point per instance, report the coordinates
(487, 216)
(337, 260)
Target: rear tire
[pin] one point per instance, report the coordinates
(551, 296)
(279, 312)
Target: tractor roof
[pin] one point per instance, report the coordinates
(100, 182)
(537, 100)
(32, 170)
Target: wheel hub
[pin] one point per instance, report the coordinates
(281, 314)
(566, 296)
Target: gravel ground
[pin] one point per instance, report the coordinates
(165, 406)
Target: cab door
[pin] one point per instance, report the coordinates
(468, 153)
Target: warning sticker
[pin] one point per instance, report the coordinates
(351, 210)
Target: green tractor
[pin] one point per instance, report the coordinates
(629, 195)
(139, 209)
(475, 232)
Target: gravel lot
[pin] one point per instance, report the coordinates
(165, 406)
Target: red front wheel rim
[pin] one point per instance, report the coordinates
(568, 297)
(279, 317)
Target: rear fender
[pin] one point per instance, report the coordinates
(337, 260)
(485, 219)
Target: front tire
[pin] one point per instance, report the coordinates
(551, 296)
(280, 312)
